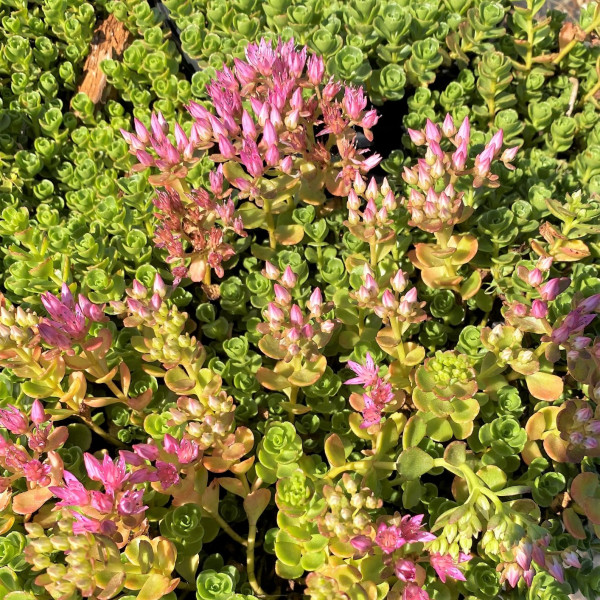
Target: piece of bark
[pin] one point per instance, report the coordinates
(110, 39)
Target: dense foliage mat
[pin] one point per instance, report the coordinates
(304, 304)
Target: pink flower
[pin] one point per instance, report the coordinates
(14, 420)
(411, 528)
(446, 566)
(186, 450)
(367, 375)
(73, 493)
(414, 592)
(36, 472)
(389, 538)
(111, 474)
(167, 474)
(68, 319)
(405, 570)
(130, 503)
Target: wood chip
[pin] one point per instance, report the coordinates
(110, 39)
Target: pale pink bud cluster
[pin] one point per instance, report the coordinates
(391, 303)
(584, 429)
(371, 210)
(69, 321)
(295, 332)
(142, 304)
(446, 158)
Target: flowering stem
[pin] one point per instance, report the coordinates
(250, 562)
(398, 335)
(270, 222)
(373, 253)
(595, 22)
(100, 432)
(104, 371)
(361, 464)
(293, 399)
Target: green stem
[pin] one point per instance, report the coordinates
(225, 527)
(595, 22)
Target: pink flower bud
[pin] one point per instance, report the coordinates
(226, 148)
(509, 154)
(315, 68)
(315, 301)
(271, 271)
(388, 300)
(289, 278)
(459, 157)
(372, 189)
(535, 277)
(296, 316)
(496, 141)
(584, 414)
(282, 296)
(432, 132)
(274, 314)
(38, 416)
(448, 127)
(170, 444)
(286, 165)
(410, 176)
(399, 281)
(464, 132)
(416, 137)
(539, 309)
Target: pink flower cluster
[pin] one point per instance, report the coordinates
(20, 462)
(378, 393)
(192, 228)
(534, 550)
(267, 108)
(294, 332)
(432, 210)
(121, 504)
(68, 324)
(392, 537)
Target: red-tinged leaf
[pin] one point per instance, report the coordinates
(544, 386)
(573, 524)
(334, 450)
(210, 498)
(155, 587)
(272, 380)
(255, 504)
(233, 485)
(109, 376)
(141, 402)
(243, 466)
(177, 380)
(100, 402)
(216, 464)
(57, 438)
(289, 235)
(30, 501)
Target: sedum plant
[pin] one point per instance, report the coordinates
(261, 339)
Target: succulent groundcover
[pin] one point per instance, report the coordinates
(303, 303)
